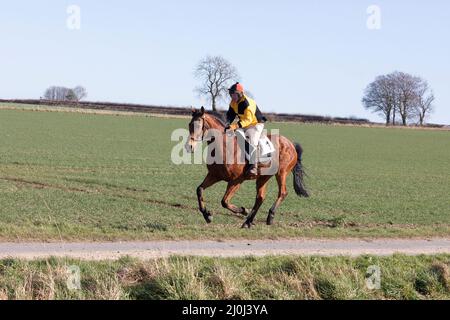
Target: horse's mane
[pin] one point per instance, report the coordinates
(217, 116)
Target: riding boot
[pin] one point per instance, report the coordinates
(252, 170)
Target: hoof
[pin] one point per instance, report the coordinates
(270, 217)
(208, 217)
(245, 212)
(247, 225)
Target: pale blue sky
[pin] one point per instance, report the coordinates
(312, 57)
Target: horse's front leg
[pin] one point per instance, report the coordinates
(207, 182)
(232, 188)
(261, 186)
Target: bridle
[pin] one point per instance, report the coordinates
(203, 131)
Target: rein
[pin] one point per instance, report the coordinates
(203, 133)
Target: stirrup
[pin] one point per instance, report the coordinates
(252, 170)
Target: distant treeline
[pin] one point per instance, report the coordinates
(180, 111)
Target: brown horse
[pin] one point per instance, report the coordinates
(289, 159)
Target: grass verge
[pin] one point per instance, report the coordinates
(273, 277)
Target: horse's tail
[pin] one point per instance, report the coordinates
(299, 173)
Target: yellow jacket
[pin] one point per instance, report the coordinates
(247, 111)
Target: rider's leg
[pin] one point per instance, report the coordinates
(253, 135)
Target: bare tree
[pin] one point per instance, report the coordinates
(406, 88)
(379, 97)
(50, 93)
(216, 75)
(80, 92)
(424, 102)
(400, 93)
(55, 93)
(70, 95)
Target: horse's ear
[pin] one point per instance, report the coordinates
(193, 110)
(202, 110)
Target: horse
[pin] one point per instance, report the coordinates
(290, 160)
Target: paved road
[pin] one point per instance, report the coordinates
(232, 248)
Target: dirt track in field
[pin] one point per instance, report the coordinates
(229, 248)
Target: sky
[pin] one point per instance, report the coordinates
(309, 57)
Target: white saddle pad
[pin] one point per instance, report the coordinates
(265, 147)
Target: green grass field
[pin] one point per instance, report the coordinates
(76, 176)
(401, 277)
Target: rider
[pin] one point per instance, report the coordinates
(251, 121)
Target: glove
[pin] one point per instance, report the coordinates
(232, 126)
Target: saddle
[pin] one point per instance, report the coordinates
(265, 147)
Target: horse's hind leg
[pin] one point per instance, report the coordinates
(232, 188)
(261, 186)
(207, 182)
(282, 194)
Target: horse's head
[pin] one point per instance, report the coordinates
(197, 129)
